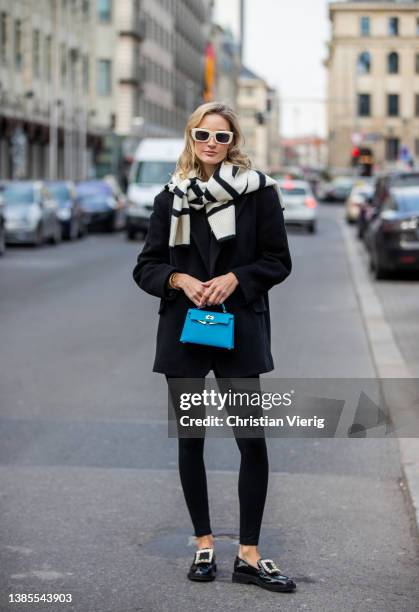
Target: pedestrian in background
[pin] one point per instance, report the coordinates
(217, 235)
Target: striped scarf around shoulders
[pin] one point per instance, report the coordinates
(216, 196)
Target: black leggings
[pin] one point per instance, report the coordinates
(252, 485)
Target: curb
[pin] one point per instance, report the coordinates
(387, 357)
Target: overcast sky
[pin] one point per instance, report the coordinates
(285, 43)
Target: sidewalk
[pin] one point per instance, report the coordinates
(392, 327)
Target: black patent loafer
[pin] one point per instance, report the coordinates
(203, 568)
(267, 575)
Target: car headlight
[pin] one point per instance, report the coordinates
(33, 215)
(64, 214)
(408, 224)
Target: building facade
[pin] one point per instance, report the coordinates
(258, 109)
(373, 81)
(172, 57)
(227, 65)
(82, 81)
(46, 127)
(305, 151)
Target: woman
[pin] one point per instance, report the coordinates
(217, 235)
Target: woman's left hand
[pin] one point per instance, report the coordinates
(218, 289)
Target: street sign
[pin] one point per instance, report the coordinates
(404, 154)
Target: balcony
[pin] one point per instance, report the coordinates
(132, 26)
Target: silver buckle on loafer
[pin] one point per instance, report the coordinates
(269, 566)
(204, 555)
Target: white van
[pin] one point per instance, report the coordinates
(154, 163)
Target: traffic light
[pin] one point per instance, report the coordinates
(355, 156)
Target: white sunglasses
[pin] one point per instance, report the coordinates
(221, 136)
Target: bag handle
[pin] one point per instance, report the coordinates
(222, 304)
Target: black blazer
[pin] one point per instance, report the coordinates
(258, 255)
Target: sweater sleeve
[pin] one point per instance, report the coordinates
(273, 263)
(153, 267)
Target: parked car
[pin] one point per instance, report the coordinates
(338, 189)
(384, 182)
(31, 213)
(392, 235)
(154, 162)
(71, 215)
(300, 204)
(2, 223)
(361, 194)
(102, 210)
(119, 195)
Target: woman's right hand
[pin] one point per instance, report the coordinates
(192, 287)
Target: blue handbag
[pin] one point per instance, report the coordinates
(209, 327)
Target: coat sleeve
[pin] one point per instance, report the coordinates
(273, 263)
(153, 267)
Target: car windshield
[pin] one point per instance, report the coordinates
(408, 201)
(405, 180)
(18, 194)
(95, 198)
(343, 182)
(60, 192)
(293, 191)
(366, 190)
(154, 172)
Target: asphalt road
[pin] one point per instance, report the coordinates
(90, 498)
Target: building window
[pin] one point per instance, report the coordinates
(104, 10)
(48, 58)
(86, 8)
(63, 67)
(392, 149)
(3, 38)
(363, 65)
(103, 77)
(417, 63)
(18, 45)
(364, 105)
(86, 73)
(416, 147)
(393, 63)
(72, 66)
(393, 26)
(416, 105)
(36, 54)
(393, 105)
(365, 24)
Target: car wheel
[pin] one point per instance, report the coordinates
(131, 234)
(2, 243)
(74, 230)
(39, 237)
(82, 230)
(57, 235)
(378, 272)
(312, 227)
(110, 225)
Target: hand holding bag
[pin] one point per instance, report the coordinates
(209, 327)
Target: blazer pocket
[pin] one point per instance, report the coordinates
(259, 305)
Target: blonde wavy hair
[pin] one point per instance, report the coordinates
(188, 164)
